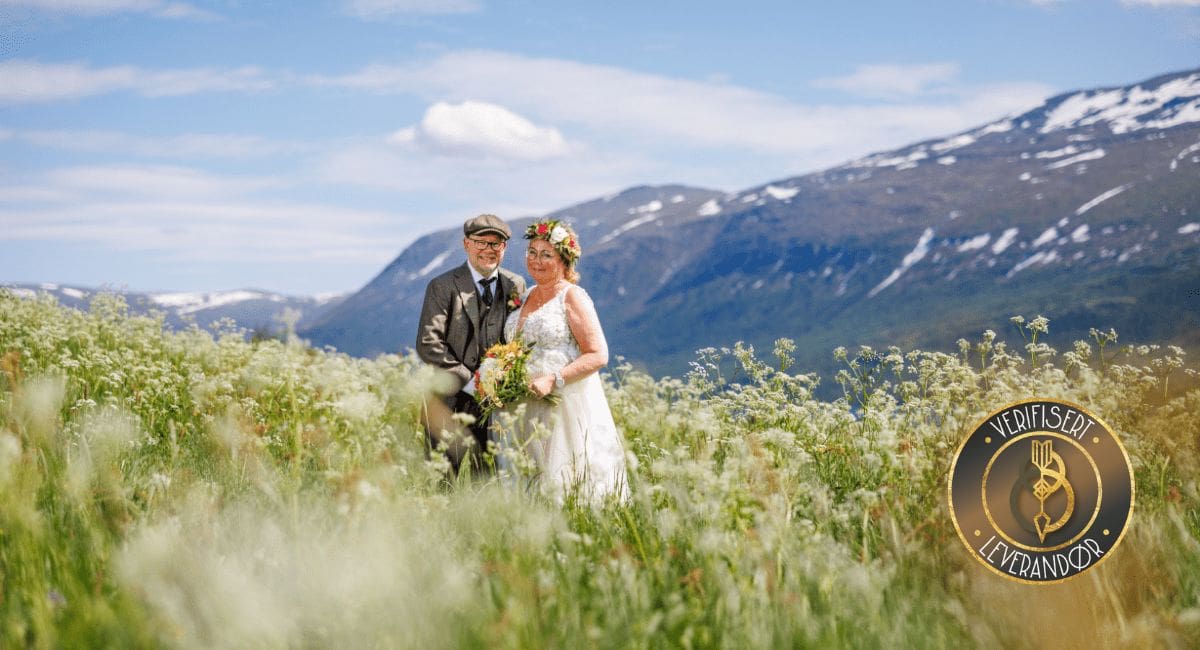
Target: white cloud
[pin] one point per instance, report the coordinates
(101, 7)
(479, 128)
(374, 9)
(187, 145)
(469, 185)
(892, 80)
(155, 181)
(214, 231)
(672, 112)
(490, 140)
(32, 82)
(1162, 3)
(191, 215)
(600, 103)
(34, 194)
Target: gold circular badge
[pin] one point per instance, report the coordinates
(1041, 491)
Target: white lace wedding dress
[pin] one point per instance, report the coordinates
(574, 443)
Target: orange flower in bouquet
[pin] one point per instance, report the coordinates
(503, 376)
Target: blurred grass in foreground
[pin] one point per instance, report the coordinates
(198, 490)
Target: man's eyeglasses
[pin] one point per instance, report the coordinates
(481, 244)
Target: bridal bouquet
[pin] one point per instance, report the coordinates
(503, 378)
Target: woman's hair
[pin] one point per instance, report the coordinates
(564, 240)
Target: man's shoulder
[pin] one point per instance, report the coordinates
(515, 278)
(451, 276)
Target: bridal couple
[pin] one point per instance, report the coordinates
(473, 306)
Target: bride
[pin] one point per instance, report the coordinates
(573, 439)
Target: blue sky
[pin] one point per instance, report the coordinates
(299, 146)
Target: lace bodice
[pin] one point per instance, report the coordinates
(546, 329)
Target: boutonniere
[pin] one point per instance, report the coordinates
(514, 300)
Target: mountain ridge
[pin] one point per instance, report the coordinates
(1085, 208)
(1085, 190)
(256, 310)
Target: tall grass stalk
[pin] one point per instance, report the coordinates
(195, 489)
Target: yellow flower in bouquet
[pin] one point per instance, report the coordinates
(503, 376)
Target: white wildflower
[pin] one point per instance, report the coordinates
(360, 407)
(489, 374)
(159, 482)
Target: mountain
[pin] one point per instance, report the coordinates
(1085, 209)
(382, 316)
(251, 309)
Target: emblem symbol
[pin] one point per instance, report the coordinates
(1050, 465)
(1041, 490)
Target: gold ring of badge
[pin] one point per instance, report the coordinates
(988, 511)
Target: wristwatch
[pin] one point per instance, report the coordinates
(559, 382)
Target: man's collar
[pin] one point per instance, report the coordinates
(476, 276)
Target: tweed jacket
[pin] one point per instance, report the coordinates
(455, 327)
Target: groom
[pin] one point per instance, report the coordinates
(463, 315)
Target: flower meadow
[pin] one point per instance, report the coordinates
(195, 489)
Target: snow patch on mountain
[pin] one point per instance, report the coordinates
(1047, 236)
(975, 243)
(1094, 154)
(1185, 114)
(328, 296)
(1189, 228)
(1003, 126)
(1129, 252)
(431, 266)
(709, 208)
(1102, 198)
(1005, 240)
(1040, 257)
(653, 206)
(627, 226)
(956, 142)
(189, 303)
(1184, 154)
(1127, 109)
(782, 193)
(1068, 150)
(900, 162)
(916, 255)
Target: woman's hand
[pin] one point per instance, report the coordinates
(542, 386)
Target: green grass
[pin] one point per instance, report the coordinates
(197, 490)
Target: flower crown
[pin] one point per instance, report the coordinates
(560, 235)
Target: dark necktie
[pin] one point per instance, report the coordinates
(486, 294)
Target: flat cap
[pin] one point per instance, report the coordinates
(485, 224)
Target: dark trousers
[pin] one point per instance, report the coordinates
(461, 402)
